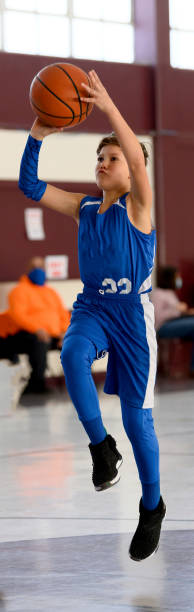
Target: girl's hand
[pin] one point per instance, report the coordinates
(97, 92)
(39, 130)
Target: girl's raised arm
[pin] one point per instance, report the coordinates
(53, 197)
(141, 189)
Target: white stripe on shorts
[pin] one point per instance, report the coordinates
(152, 344)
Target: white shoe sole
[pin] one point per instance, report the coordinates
(148, 557)
(110, 483)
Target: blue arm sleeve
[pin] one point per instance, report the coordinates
(29, 182)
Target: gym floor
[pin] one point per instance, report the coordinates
(63, 546)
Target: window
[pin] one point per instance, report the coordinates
(181, 17)
(100, 30)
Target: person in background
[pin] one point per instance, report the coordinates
(35, 322)
(173, 318)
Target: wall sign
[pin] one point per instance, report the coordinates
(33, 218)
(56, 267)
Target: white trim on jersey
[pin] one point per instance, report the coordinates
(121, 205)
(89, 204)
(147, 283)
(114, 204)
(152, 344)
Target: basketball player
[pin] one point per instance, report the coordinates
(116, 256)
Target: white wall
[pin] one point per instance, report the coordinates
(64, 157)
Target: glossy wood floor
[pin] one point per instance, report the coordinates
(64, 547)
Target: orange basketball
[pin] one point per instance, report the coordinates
(55, 95)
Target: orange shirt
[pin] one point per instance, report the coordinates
(33, 307)
(7, 326)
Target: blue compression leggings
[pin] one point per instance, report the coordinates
(78, 354)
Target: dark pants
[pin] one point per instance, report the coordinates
(24, 342)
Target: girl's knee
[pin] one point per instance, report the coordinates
(76, 351)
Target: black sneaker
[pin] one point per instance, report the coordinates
(106, 461)
(145, 541)
(113, 446)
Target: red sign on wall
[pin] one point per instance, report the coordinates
(56, 267)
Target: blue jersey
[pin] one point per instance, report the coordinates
(114, 311)
(114, 256)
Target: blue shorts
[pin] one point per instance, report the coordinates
(124, 326)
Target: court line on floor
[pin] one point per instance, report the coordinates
(85, 518)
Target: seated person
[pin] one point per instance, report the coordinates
(173, 318)
(35, 322)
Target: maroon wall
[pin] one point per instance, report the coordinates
(127, 84)
(15, 248)
(174, 148)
